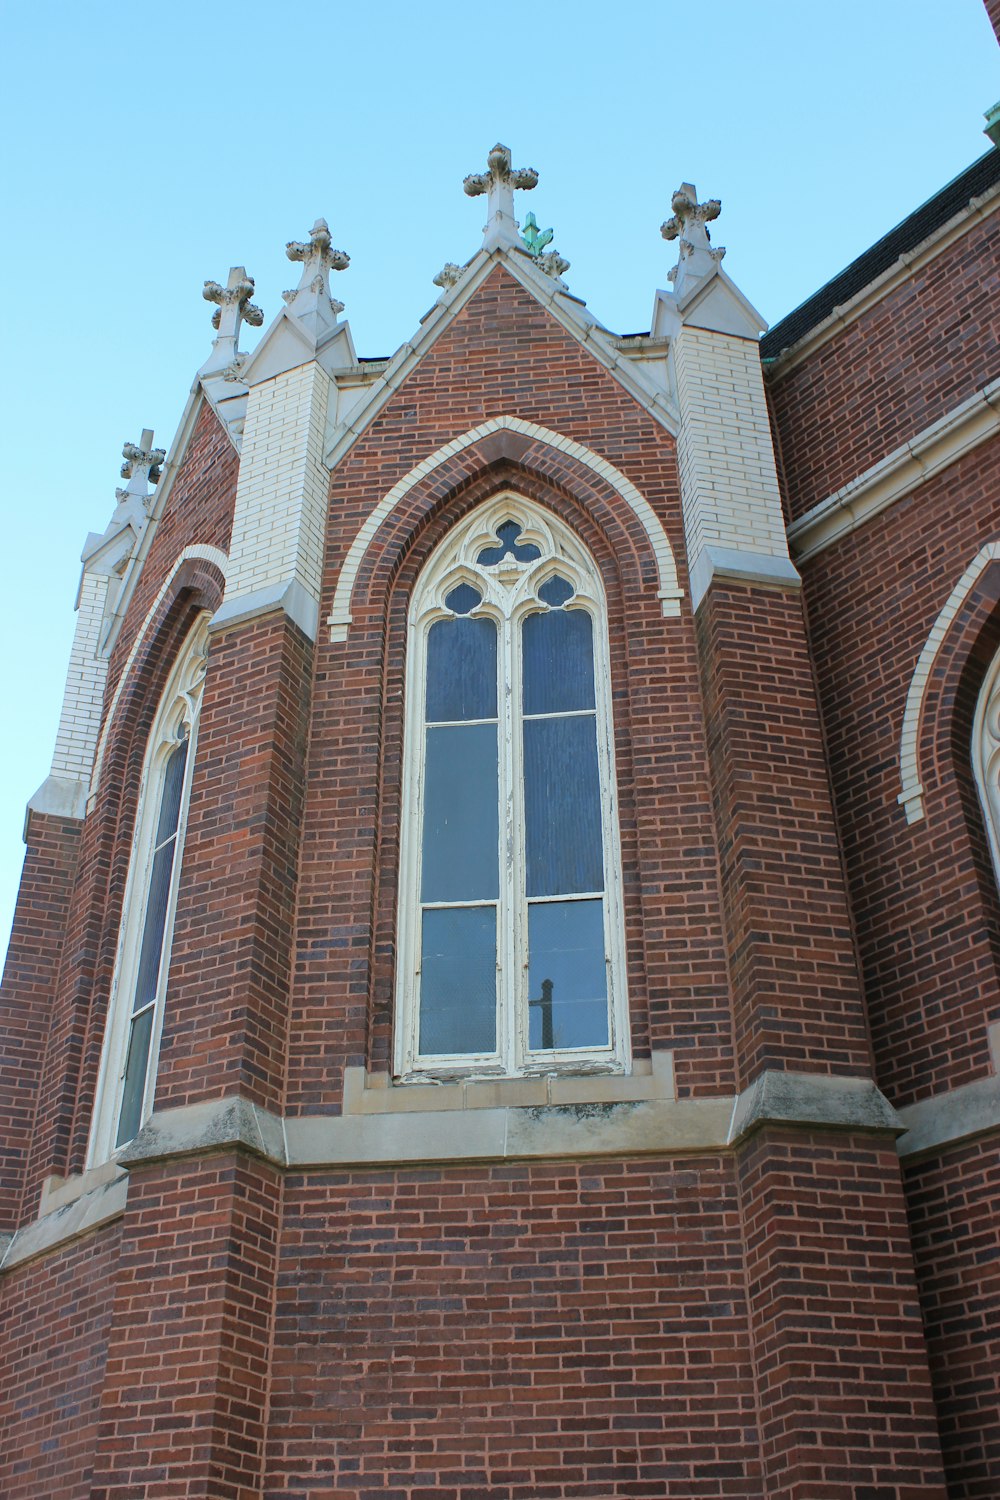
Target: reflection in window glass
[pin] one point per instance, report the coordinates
(567, 979)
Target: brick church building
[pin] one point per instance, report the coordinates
(609, 1110)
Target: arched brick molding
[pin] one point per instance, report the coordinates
(669, 591)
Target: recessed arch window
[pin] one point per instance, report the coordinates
(986, 757)
(510, 941)
(135, 1016)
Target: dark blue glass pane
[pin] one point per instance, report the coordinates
(135, 1077)
(461, 670)
(567, 975)
(558, 662)
(460, 834)
(555, 591)
(562, 807)
(462, 599)
(153, 923)
(458, 981)
(508, 534)
(173, 786)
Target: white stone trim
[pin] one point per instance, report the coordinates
(911, 797)
(901, 270)
(939, 445)
(287, 594)
(985, 755)
(339, 618)
(742, 567)
(199, 550)
(946, 1119)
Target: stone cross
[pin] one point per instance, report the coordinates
(233, 307)
(687, 225)
(318, 259)
(498, 183)
(142, 467)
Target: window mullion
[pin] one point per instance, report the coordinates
(517, 921)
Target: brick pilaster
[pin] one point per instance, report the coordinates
(29, 982)
(184, 1403)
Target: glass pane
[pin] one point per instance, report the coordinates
(462, 599)
(562, 807)
(135, 1077)
(567, 975)
(558, 662)
(153, 924)
(173, 786)
(461, 670)
(508, 534)
(555, 591)
(458, 981)
(461, 816)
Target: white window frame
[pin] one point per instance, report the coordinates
(986, 757)
(176, 718)
(509, 593)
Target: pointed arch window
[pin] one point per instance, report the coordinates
(986, 757)
(511, 950)
(135, 1016)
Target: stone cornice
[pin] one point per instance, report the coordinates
(894, 477)
(650, 1123)
(848, 312)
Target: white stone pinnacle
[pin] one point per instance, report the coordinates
(233, 307)
(698, 258)
(498, 183)
(310, 302)
(141, 467)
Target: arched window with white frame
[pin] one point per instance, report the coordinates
(510, 955)
(986, 757)
(135, 1015)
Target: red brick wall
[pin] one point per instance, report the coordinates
(182, 1409)
(924, 897)
(230, 966)
(845, 1399)
(346, 915)
(993, 11)
(54, 1320)
(796, 995)
(522, 1331)
(912, 357)
(954, 1203)
(26, 994)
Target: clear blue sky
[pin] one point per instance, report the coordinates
(151, 147)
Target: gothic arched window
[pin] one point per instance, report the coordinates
(986, 757)
(511, 949)
(135, 1015)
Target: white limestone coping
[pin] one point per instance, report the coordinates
(848, 312)
(659, 1125)
(670, 593)
(911, 797)
(724, 563)
(288, 595)
(937, 447)
(57, 797)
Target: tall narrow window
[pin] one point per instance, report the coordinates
(510, 933)
(986, 757)
(135, 1017)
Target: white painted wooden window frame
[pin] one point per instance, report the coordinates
(986, 757)
(176, 716)
(509, 593)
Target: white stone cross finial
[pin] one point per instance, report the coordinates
(498, 182)
(233, 307)
(318, 259)
(688, 224)
(141, 468)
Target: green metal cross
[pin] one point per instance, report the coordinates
(533, 238)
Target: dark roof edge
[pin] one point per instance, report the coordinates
(917, 227)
